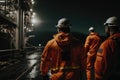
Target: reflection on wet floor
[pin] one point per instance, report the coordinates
(26, 68)
(34, 74)
(33, 60)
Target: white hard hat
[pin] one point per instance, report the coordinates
(63, 23)
(91, 29)
(112, 21)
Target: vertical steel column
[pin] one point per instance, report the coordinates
(20, 28)
(17, 40)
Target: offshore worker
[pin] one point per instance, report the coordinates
(107, 64)
(91, 45)
(63, 55)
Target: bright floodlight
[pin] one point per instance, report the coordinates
(33, 20)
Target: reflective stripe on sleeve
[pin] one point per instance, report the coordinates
(65, 68)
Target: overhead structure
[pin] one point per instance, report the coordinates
(13, 21)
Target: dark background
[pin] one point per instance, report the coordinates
(82, 13)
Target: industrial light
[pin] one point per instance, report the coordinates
(2, 1)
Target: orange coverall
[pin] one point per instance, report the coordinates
(92, 44)
(63, 55)
(106, 59)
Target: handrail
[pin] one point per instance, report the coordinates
(9, 50)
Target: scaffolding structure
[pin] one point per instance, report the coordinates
(15, 21)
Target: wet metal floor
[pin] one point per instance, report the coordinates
(25, 68)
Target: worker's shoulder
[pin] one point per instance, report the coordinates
(50, 42)
(106, 43)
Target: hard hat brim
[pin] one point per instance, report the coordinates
(62, 26)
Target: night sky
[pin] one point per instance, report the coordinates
(82, 14)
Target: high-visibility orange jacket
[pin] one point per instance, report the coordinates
(106, 58)
(92, 42)
(63, 55)
(91, 45)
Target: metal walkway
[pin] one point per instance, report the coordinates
(25, 67)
